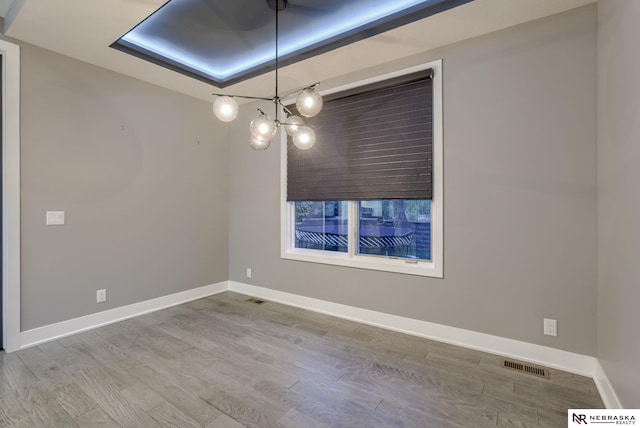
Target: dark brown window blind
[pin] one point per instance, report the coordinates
(373, 144)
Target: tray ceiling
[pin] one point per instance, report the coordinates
(222, 42)
(85, 29)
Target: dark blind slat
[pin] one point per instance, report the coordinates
(369, 146)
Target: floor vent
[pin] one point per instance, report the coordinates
(256, 301)
(526, 368)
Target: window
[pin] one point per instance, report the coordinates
(395, 228)
(322, 225)
(369, 193)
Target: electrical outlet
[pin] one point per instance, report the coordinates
(101, 296)
(550, 327)
(248, 272)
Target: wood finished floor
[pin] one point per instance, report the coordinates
(225, 362)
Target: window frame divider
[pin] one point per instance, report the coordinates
(352, 222)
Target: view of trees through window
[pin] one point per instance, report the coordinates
(388, 228)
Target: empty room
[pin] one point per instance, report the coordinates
(299, 213)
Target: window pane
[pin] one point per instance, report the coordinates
(395, 228)
(322, 225)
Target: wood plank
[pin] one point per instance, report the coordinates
(142, 396)
(69, 359)
(11, 412)
(168, 416)
(12, 418)
(294, 418)
(328, 410)
(506, 421)
(227, 360)
(20, 379)
(405, 344)
(101, 388)
(441, 404)
(180, 397)
(74, 400)
(246, 411)
(95, 359)
(549, 418)
(224, 421)
(417, 418)
(45, 411)
(43, 367)
(455, 371)
(95, 418)
(557, 397)
(233, 397)
(367, 399)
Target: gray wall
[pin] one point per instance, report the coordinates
(520, 194)
(142, 175)
(618, 202)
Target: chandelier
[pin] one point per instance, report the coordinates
(263, 127)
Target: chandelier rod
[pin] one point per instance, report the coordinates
(276, 99)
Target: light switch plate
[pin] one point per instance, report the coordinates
(55, 218)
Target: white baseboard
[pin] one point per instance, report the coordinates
(549, 357)
(607, 393)
(65, 328)
(555, 358)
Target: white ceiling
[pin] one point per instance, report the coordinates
(84, 29)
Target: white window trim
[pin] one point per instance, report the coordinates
(433, 268)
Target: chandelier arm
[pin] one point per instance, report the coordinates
(285, 108)
(295, 124)
(287, 94)
(243, 96)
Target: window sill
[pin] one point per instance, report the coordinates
(421, 268)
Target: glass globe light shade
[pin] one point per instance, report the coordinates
(262, 127)
(305, 138)
(258, 144)
(293, 125)
(309, 102)
(225, 108)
